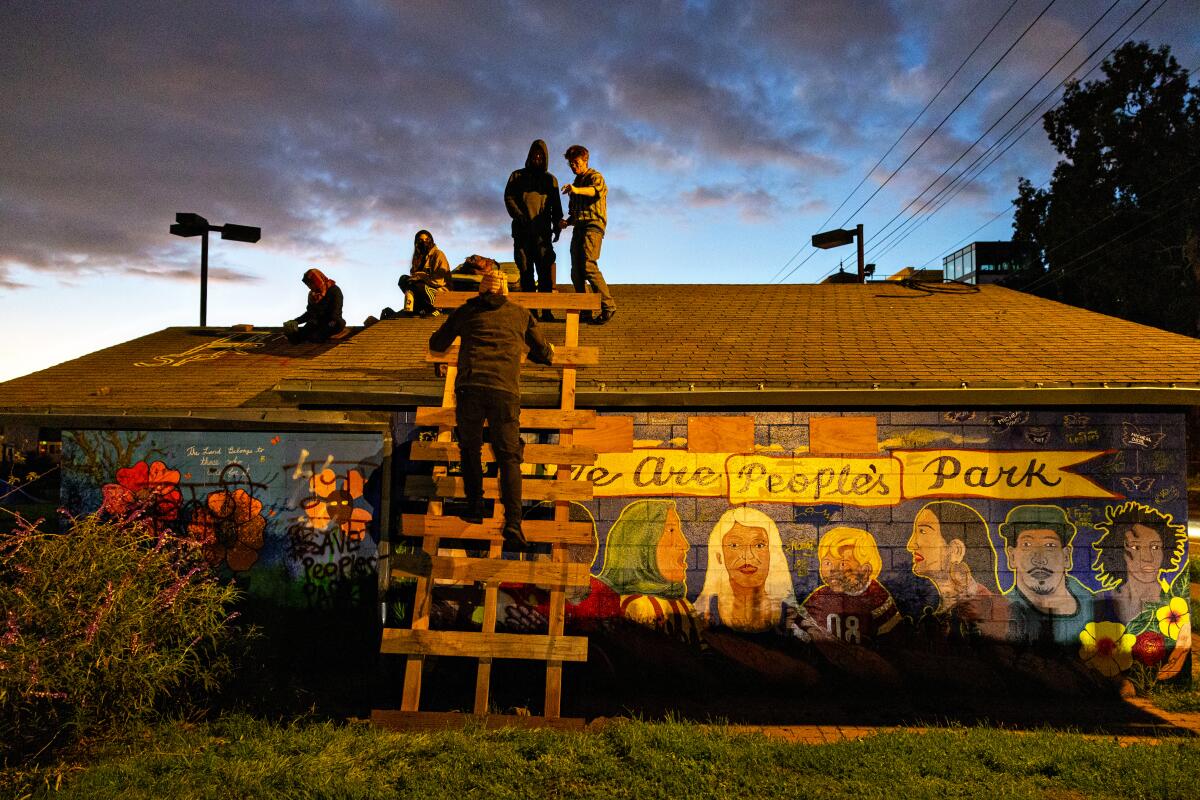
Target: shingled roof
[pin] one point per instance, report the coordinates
(872, 344)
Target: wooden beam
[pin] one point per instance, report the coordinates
(444, 720)
(486, 570)
(534, 453)
(424, 486)
(536, 418)
(563, 357)
(555, 301)
(472, 644)
(535, 530)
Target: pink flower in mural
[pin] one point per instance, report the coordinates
(1173, 617)
(229, 527)
(151, 488)
(1150, 648)
(332, 500)
(1106, 647)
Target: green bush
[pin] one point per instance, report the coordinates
(101, 625)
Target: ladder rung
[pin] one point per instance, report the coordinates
(534, 453)
(472, 644)
(563, 356)
(460, 569)
(535, 418)
(425, 486)
(546, 531)
(556, 301)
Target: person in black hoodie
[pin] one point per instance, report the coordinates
(495, 333)
(323, 317)
(531, 197)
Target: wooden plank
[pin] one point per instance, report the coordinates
(534, 453)
(483, 673)
(487, 570)
(472, 644)
(555, 301)
(563, 357)
(843, 435)
(535, 530)
(536, 418)
(611, 434)
(452, 720)
(531, 488)
(720, 435)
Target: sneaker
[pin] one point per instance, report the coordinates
(471, 512)
(513, 535)
(369, 321)
(435, 313)
(605, 315)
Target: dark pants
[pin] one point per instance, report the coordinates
(585, 252)
(534, 251)
(422, 295)
(502, 412)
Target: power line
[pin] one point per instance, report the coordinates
(937, 128)
(900, 138)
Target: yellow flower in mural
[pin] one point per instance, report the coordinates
(1106, 647)
(1173, 617)
(332, 500)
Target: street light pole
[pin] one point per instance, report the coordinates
(196, 225)
(840, 236)
(858, 234)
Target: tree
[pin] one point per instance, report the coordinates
(1118, 229)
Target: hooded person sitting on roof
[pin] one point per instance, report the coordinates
(323, 317)
(495, 333)
(428, 275)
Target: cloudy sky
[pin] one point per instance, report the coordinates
(728, 133)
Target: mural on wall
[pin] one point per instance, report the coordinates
(1048, 532)
(291, 516)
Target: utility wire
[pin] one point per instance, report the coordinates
(961, 181)
(900, 138)
(938, 127)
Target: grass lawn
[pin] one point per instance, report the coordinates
(240, 757)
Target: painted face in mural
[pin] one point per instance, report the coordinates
(672, 549)
(1143, 553)
(930, 552)
(746, 554)
(845, 573)
(1040, 562)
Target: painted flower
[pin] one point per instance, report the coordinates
(1173, 617)
(229, 527)
(1150, 648)
(152, 488)
(1106, 647)
(332, 500)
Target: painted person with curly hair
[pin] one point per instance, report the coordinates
(1139, 544)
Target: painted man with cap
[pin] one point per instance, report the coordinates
(1048, 605)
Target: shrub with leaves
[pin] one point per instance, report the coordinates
(103, 624)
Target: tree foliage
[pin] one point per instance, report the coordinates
(1118, 228)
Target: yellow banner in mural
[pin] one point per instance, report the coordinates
(998, 474)
(852, 481)
(811, 479)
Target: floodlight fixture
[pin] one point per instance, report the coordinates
(188, 224)
(841, 236)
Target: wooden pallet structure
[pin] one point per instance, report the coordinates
(433, 565)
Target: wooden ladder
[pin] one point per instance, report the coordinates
(429, 567)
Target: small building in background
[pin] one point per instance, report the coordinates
(985, 262)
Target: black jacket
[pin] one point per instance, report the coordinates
(531, 197)
(327, 311)
(495, 332)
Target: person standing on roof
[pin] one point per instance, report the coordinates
(589, 215)
(531, 197)
(323, 316)
(495, 333)
(429, 273)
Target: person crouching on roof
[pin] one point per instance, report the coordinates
(323, 317)
(495, 333)
(428, 275)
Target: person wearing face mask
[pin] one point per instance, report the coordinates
(428, 275)
(531, 197)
